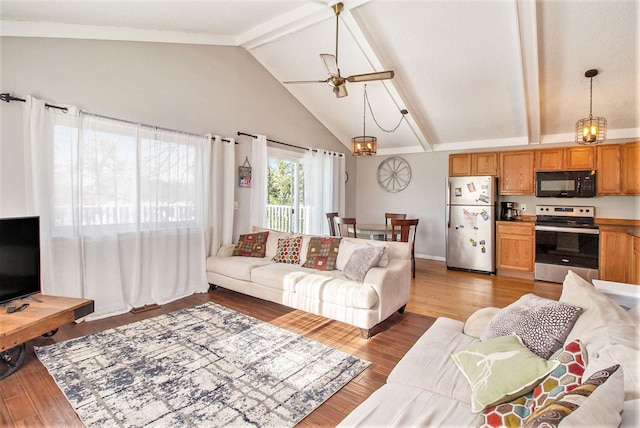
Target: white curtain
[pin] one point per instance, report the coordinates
(324, 188)
(221, 193)
(259, 169)
(123, 208)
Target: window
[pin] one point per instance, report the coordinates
(285, 191)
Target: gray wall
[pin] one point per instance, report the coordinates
(194, 88)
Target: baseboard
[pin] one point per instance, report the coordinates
(429, 257)
(145, 308)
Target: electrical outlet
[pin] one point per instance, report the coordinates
(523, 207)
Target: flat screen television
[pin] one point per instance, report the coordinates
(19, 258)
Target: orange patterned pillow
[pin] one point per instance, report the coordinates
(288, 250)
(322, 253)
(251, 245)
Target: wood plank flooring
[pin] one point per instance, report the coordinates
(29, 397)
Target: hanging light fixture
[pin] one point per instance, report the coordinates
(591, 130)
(364, 145)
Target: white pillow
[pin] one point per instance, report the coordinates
(597, 309)
(479, 320)
(347, 248)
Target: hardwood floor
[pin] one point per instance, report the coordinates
(29, 397)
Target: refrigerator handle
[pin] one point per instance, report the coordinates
(448, 204)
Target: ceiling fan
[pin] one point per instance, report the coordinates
(335, 80)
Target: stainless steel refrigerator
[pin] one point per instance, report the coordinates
(470, 223)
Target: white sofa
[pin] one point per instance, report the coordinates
(426, 388)
(385, 288)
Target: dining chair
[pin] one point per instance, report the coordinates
(332, 225)
(342, 226)
(390, 216)
(407, 229)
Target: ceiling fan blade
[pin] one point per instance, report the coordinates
(331, 64)
(305, 81)
(340, 91)
(367, 77)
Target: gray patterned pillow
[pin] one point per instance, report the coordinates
(361, 261)
(542, 324)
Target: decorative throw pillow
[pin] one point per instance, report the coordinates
(322, 253)
(361, 261)
(251, 245)
(500, 369)
(565, 377)
(346, 249)
(542, 324)
(602, 409)
(288, 250)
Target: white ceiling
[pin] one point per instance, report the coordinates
(473, 74)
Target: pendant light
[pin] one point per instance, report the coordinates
(364, 145)
(591, 130)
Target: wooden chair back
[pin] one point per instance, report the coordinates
(342, 226)
(407, 229)
(389, 216)
(332, 224)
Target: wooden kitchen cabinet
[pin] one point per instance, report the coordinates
(459, 165)
(485, 163)
(515, 246)
(566, 159)
(516, 175)
(463, 164)
(630, 159)
(608, 170)
(635, 270)
(615, 255)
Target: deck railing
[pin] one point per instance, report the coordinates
(279, 217)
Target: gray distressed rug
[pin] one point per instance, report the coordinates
(202, 366)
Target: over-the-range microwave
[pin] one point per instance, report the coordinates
(566, 184)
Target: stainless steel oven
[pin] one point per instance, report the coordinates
(566, 238)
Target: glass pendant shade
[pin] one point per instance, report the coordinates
(364, 145)
(591, 130)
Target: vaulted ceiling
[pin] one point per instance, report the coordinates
(473, 74)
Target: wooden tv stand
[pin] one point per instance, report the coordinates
(44, 315)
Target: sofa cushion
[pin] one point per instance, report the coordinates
(542, 324)
(337, 290)
(281, 276)
(361, 261)
(251, 245)
(235, 267)
(597, 402)
(288, 250)
(322, 253)
(598, 309)
(428, 365)
(500, 369)
(479, 320)
(347, 248)
(396, 405)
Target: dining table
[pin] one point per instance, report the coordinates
(376, 231)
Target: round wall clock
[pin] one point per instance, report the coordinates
(394, 174)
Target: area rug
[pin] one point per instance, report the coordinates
(203, 366)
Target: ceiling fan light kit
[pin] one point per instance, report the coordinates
(591, 130)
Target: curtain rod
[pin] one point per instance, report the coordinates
(8, 98)
(284, 144)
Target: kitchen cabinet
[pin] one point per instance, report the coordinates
(615, 254)
(459, 165)
(566, 159)
(516, 175)
(463, 164)
(630, 169)
(485, 163)
(608, 170)
(635, 271)
(515, 246)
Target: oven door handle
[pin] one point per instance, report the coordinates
(568, 230)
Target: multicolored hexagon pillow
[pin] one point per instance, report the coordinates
(288, 250)
(566, 377)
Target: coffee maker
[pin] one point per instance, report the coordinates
(508, 211)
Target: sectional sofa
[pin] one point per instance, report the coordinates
(357, 281)
(470, 374)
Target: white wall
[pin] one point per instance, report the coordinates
(193, 88)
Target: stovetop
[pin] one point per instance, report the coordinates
(565, 216)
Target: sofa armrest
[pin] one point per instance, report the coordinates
(226, 250)
(392, 284)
